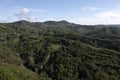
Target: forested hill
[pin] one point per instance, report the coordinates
(59, 50)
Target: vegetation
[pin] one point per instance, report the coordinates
(59, 51)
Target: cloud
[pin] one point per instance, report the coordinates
(90, 8)
(31, 18)
(30, 10)
(84, 21)
(109, 17)
(105, 17)
(101, 16)
(37, 10)
(24, 14)
(27, 13)
(5, 18)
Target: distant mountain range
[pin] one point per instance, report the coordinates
(59, 50)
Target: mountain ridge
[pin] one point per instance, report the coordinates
(59, 51)
(64, 21)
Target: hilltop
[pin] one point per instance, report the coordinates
(59, 50)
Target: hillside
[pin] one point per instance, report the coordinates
(59, 50)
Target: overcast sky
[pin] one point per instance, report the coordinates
(76, 11)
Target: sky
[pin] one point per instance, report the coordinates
(75, 11)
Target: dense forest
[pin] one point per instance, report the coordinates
(59, 50)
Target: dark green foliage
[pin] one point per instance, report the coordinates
(106, 33)
(59, 51)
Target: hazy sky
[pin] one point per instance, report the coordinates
(77, 11)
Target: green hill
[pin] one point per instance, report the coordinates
(59, 51)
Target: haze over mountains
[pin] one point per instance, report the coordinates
(59, 50)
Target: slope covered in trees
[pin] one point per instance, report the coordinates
(59, 51)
